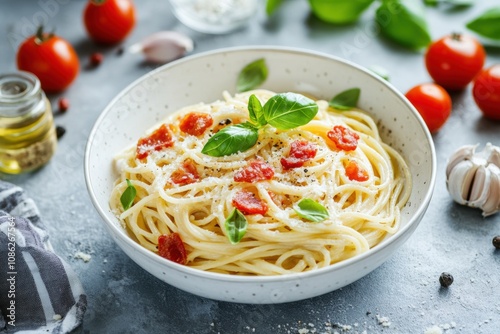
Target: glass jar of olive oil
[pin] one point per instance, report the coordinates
(27, 134)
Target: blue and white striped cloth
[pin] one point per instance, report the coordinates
(39, 292)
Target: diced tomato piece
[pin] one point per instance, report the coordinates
(196, 123)
(248, 204)
(301, 151)
(161, 138)
(344, 138)
(185, 174)
(354, 172)
(256, 171)
(171, 247)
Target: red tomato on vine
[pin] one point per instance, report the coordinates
(453, 61)
(432, 102)
(109, 21)
(52, 59)
(486, 92)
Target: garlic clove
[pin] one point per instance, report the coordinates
(492, 204)
(473, 178)
(460, 180)
(494, 157)
(480, 187)
(163, 46)
(463, 153)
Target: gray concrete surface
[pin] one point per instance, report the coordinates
(402, 296)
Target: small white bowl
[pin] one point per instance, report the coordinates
(214, 17)
(202, 78)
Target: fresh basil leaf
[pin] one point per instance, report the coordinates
(252, 75)
(459, 2)
(272, 5)
(345, 100)
(432, 2)
(311, 210)
(236, 226)
(456, 3)
(339, 11)
(487, 24)
(404, 22)
(231, 139)
(380, 71)
(128, 196)
(255, 111)
(289, 110)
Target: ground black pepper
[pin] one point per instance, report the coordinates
(226, 121)
(60, 131)
(446, 279)
(496, 241)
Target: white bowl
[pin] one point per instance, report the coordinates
(202, 78)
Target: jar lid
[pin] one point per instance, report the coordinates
(19, 92)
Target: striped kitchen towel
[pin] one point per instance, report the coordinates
(39, 292)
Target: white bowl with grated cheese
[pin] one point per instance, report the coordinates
(203, 77)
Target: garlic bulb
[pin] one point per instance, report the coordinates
(473, 179)
(163, 46)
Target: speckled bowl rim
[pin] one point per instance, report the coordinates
(122, 234)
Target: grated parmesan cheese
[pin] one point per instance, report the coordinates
(434, 330)
(384, 321)
(83, 256)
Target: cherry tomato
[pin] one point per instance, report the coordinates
(453, 61)
(355, 173)
(301, 151)
(343, 138)
(486, 92)
(161, 138)
(256, 171)
(171, 247)
(186, 174)
(109, 21)
(248, 204)
(196, 123)
(432, 102)
(52, 59)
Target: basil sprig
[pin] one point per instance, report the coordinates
(255, 111)
(345, 100)
(283, 111)
(456, 3)
(231, 139)
(128, 196)
(339, 11)
(404, 22)
(289, 110)
(236, 226)
(272, 5)
(311, 210)
(252, 75)
(487, 24)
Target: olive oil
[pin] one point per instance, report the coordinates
(27, 134)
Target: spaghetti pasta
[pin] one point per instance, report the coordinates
(181, 190)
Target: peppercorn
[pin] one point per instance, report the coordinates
(96, 59)
(63, 104)
(60, 131)
(496, 242)
(445, 280)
